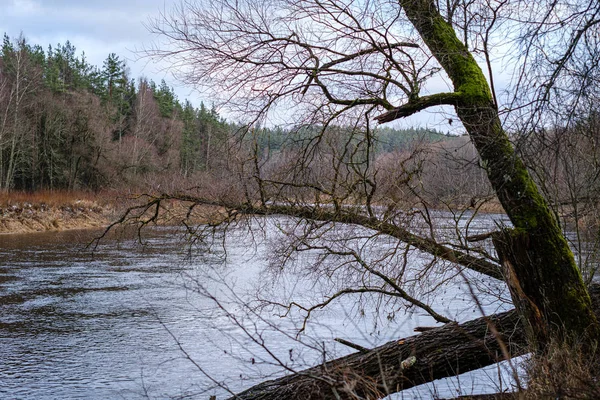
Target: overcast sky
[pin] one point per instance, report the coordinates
(98, 27)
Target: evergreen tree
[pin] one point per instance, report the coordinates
(117, 93)
(190, 143)
(115, 79)
(165, 98)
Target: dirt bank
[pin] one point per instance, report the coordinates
(23, 217)
(40, 212)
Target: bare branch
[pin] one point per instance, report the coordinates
(348, 217)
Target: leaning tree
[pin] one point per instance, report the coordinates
(334, 68)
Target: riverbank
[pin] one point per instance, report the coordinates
(45, 211)
(53, 211)
(60, 211)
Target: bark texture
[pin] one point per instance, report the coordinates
(512, 250)
(438, 353)
(554, 284)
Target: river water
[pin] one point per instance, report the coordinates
(166, 319)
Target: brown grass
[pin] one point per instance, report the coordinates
(563, 372)
(50, 198)
(22, 212)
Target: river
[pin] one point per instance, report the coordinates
(166, 319)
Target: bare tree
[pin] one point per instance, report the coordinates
(20, 78)
(341, 64)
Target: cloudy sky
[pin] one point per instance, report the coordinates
(98, 27)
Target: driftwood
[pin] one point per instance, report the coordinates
(438, 353)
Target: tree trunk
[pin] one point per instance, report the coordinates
(441, 352)
(554, 285)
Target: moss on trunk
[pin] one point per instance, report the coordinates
(544, 260)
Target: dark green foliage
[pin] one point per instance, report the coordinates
(117, 94)
(115, 81)
(165, 97)
(191, 143)
(204, 141)
(58, 115)
(389, 140)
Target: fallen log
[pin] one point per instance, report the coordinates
(445, 351)
(438, 353)
(494, 396)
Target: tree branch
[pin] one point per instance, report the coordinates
(369, 50)
(421, 243)
(439, 353)
(419, 104)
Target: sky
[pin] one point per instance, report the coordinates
(98, 27)
(101, 27)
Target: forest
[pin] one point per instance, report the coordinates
(372, 215)
(69, 125)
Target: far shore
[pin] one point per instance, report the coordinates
(48, 211)
(22, 212)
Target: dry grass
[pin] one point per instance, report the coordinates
(23, 212)
(49, 198)
(564, 372)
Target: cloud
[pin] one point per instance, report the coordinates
(107, 23)
(23, 8)
(95, 27)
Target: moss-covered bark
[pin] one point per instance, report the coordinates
(554, 282)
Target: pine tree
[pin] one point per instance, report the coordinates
(117, 94)
(165, 98)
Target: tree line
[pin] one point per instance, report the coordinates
(67, 124)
